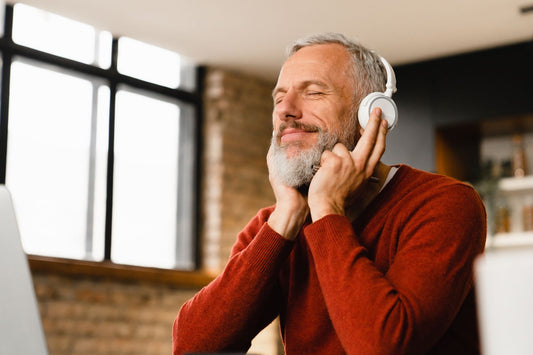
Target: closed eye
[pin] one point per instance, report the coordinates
(278, 99)
(314, 93)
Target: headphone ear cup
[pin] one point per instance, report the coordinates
(385, 103)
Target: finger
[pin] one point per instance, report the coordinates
(365, 145)
(331, 160)
(341, 150)
(325, 155)
(379, 148)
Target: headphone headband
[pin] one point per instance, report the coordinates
(391, 78)
(383, 100)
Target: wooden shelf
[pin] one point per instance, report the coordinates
(510, 240)
(516, 184)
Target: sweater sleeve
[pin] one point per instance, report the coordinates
(228, 313)
(407, 308)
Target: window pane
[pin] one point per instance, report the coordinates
(148, 62)
(145, 193)
(52, 165)
(105, 41)
(60, 36)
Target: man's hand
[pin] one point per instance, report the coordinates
(291, 208)
(342, 172)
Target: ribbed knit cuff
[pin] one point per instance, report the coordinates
(270, 248)
(331, 231)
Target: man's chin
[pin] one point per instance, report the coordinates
(293, 163)
(293, 150)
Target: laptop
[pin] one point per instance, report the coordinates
(504, 290)
(21, 330)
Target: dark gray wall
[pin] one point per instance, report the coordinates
(467, 88)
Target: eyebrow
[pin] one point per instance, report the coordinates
(303, 84)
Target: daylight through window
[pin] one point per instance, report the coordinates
(100, 161)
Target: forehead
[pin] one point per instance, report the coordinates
(329, 63)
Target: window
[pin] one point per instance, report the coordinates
(100, 160)
(49, 170)
(147, 166)
(147, 62)
(61, 36)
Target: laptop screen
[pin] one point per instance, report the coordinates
(21, 330)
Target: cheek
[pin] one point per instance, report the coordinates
(339, 121)
(347, 128)
(319, 115)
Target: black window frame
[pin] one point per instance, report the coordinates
(9, 50)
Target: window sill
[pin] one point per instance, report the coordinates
(109, 270)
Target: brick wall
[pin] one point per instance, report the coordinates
(95, 316)
(89, 315)
(238, 128)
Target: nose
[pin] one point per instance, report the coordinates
(289, 107)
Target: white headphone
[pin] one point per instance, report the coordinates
(382, 100)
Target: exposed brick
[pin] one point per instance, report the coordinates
(241, 107)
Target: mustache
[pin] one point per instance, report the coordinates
(297, 125)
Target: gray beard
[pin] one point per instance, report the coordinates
(298, 171)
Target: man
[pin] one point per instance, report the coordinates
(356, 257)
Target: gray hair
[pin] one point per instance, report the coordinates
(369, 74)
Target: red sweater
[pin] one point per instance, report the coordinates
(398, 280)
